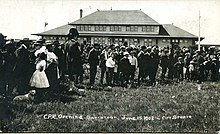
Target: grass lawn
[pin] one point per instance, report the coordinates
(169, 108)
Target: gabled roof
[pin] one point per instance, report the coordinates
(169, 30)
(175, 31)
(117, 17)
(59, 31)
(120, 17)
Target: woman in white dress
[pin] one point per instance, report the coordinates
(39, 78)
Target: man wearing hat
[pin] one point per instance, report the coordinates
(22, 63)
(179, 68)
(93, 60)
(164, 63)
(124, 69)
(153, 65)
(134, 64)
(214, 69)
(141, 64)
(147, 61)
(74, 64)
(187, 60)
(59, 51)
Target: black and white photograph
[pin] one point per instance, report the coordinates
(110, 66)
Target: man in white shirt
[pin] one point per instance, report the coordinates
(134, 64)
(110, 64)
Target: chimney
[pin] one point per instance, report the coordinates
(81, 13)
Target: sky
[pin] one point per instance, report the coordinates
(21, 18)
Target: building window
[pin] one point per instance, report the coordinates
(148, 41)
(185, 41)
(136, 28)
(148, 28)
(152, 28)
(115, 28)
(175, 41)
(136, 41)
(85, 28)
(104, 28)
(89, 28)
(128, 28)
(96, 28)
(112, 28)
(119, 28)
(81, 28)
(163, 40)
(78, 28)
(132, 28)
(181, 41)
(100, 28)
(143, 28)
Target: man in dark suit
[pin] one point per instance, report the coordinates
(93, 60)
(164, 63)
(73, 56)
(154, 62)
(124, 69)
(141, 65)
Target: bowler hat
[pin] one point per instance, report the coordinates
(96, 45)
(73, 33)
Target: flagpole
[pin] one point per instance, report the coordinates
(45, 24)
(199, 31)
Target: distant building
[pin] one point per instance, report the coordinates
(119, 26)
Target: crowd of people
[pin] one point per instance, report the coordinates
(43, 64)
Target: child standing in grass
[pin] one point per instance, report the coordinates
(179, 67)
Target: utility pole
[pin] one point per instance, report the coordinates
(199, 32)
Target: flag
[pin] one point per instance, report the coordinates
(45, 24)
